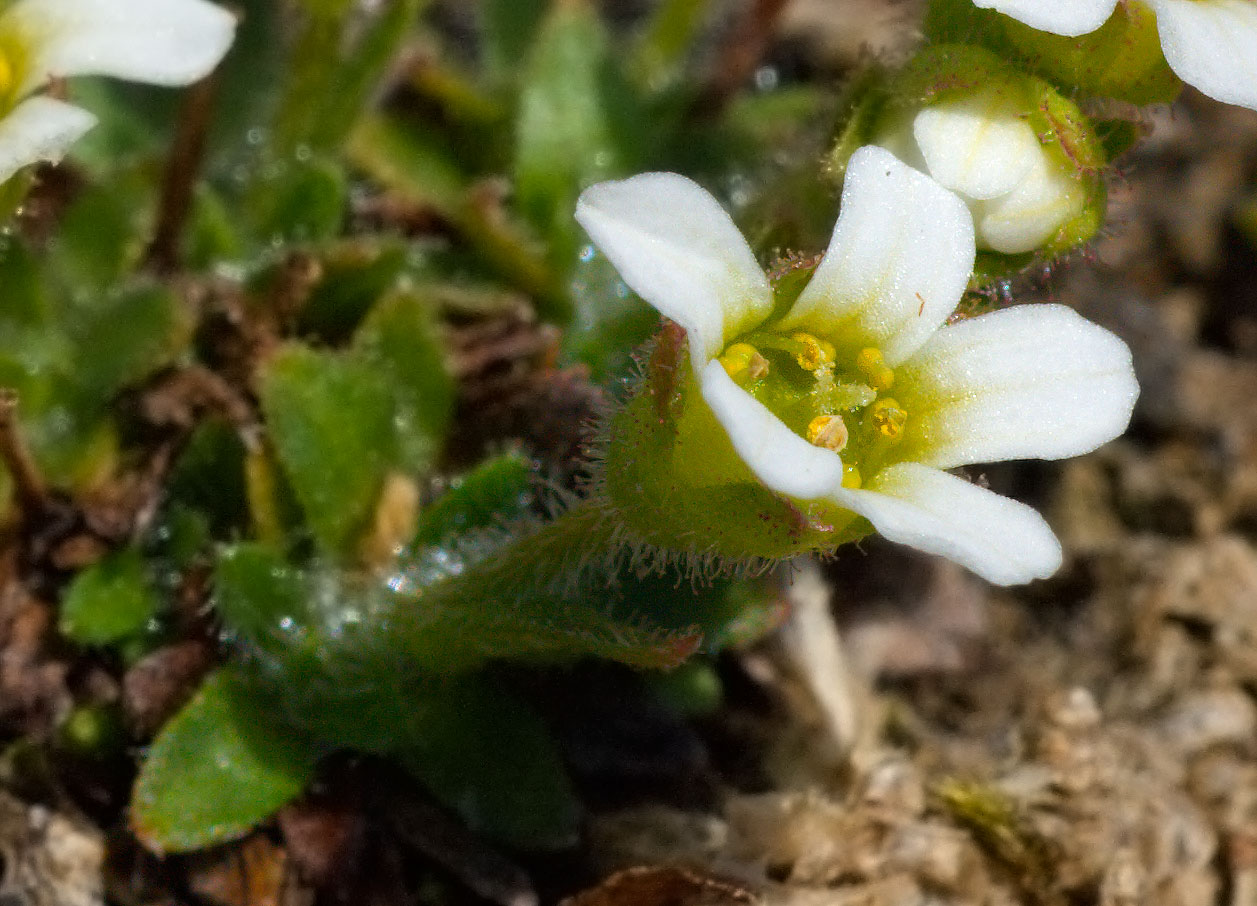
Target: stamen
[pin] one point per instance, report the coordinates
(870, 363)
(6, 75)
(851, 477)
(827, 431)
(888, 417)
(743, 362)
(813, 353)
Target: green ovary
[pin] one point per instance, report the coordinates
(840, 401)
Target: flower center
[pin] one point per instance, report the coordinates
(836, 401)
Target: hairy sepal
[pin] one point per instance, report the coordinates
(675, 482)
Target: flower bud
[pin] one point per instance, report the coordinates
(1024, 158)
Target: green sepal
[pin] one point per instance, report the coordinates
(880, 100)
(1121, 60)
(960, 22)
(860, 108)
(676, 481)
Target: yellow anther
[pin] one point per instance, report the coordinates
(813, 353)
(6, 75)
(851, 477)
(869, 362)
(827, 431)
(888, 417)
(743, 362)
(868, 358)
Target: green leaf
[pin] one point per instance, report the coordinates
(305, 202)
(343, 639)
(510, 27)
(132, 121)
(258, 594)
(483, 752)
(214, 233)
(335, 68)
(330, 419)
(208, 478)
(318, 635)
(220, 766)
(356, 274)
(109, 601)
(551, 601)
(668, 38)
(125, 336)
(397, 339)
(26, 297)
(103, 234)
(578, 123)
(494, 493)
(411, 160)
(419, 167)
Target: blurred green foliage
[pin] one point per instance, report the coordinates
(363, 167)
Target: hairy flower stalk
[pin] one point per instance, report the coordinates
(161, 42)
(807, 416)
(1209, 44)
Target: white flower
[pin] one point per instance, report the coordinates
(1031, 381)
(1019, 191)
(1210, 44)
(162, 42)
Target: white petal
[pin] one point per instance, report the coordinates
(899, 260)
(38, 129)
(1033, 381)
(164, 42)
(980, 146)
(1212, 45)
(1060, 17)
(1047, 198)
(783, 461)
(1003, 541)
(677, 248)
